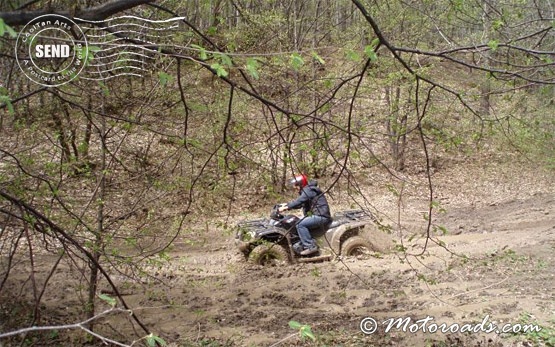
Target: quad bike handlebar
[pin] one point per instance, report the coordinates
(275, 214)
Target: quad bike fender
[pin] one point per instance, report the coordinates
(272, 231)
(246, 239)
(334, 237)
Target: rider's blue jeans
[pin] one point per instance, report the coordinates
(304, 226)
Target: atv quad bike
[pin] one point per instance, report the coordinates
(275, 240)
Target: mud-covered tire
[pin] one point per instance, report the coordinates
(269, 255)
(356, 246)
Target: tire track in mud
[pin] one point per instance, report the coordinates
(212, 293)
(509, 272)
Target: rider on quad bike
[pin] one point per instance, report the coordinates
(316, 211)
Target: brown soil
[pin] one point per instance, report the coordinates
(507, 238)
(497, 259)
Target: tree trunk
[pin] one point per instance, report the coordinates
(97, 246)
(396, 125)
(485, 87)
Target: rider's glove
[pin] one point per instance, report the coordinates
(282, 207)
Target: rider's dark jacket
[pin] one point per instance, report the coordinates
(312, 200)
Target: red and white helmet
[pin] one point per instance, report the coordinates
(300, 180)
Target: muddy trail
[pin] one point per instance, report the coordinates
(497, 262)
(491, 258)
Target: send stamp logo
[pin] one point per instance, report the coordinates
(51, 50)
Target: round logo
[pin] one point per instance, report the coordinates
(368, 326)
(51, 50)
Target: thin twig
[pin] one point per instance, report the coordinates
(284, 339)
(479, 289)
(81, 325)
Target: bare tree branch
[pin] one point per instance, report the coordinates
(100, 12)
(81, 325)
(65, 238)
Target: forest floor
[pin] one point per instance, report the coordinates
(502, 219)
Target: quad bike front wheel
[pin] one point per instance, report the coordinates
(269, 254)
(356, 246)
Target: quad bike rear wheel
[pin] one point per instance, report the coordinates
(269, 255)
(356, 246)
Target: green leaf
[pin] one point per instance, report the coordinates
(443, 229)
(296, 117)
(546, 59)
(224, 59)
(392, 189)
(104, 87)
(89, 53)
(6, 28)
(295, 325)
(497, 24)
(296, 61)
(164, 78)
(370, 53)
(318, 58)
(220, 70)
(352, 55)
(458, 5)
(252, 68)
(212, 30)
(202, 52)
(6, 100)
(111, 301)
(152, 340)
(493, 44)
(93, 49)
(10, 31)
(306, 331)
